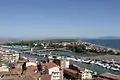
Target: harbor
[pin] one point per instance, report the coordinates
(74, 64)
(94, 65)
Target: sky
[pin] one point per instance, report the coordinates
(59, 18)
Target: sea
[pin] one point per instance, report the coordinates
(112, 43)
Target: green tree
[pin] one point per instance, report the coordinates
(24, 67)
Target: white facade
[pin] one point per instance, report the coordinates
(4, 68)
(11, 57)
(16, 57)
(55, 73)
(65, 63)
(30, 64)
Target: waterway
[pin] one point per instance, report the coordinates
(92, 67)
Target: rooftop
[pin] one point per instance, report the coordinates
(111, 76)
(28, 78)
(70, 70)
(49, 65)
(30, 70)
(46, 77)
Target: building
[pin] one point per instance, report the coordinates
(45, 77)
(63, 63)
(86, 75)
(110, 76)
(4, 68)
(77, 73)
(72, 74)
(31, 64)
(10, 57)
(53, 70)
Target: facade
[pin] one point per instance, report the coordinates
(11, 57)
(65, 63)
(53, 70)
(4, 68)
(30, 64)
(86, 75)
(55, 75)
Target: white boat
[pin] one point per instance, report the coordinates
(92, 62)
(88, 61)
(50, 57)
(115, 69)
(108, 67)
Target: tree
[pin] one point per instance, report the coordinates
(24, 67)
(39, 66)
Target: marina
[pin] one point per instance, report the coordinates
(94, 65)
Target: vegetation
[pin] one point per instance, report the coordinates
(27, 43)
(40, 41)
(24, 67)
(77, 49)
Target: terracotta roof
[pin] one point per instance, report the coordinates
(46, 77)
(79, 68)
(112, 76)
(7, 73)
(72, 73)
(27, 78)
(99, 78)
(70, 70)
(32, 59)
(16, 70)
(30, 70)
(49, 65)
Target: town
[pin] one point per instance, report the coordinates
(15, 66)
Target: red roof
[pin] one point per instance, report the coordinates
(32, 59)
(46, 77)
(99, 78)
(79, 68)
(30, 70)
(72, 73)
(112, 76)
(70, 70)
(49, 65)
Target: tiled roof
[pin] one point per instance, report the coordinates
(70, 70)
(46, 77)
(49, 65)
(72, 73)
(30, 70)
(27, 78)
(7, 73)
(99, 78)
(79, 68)
(32, 59)
(112, 76)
